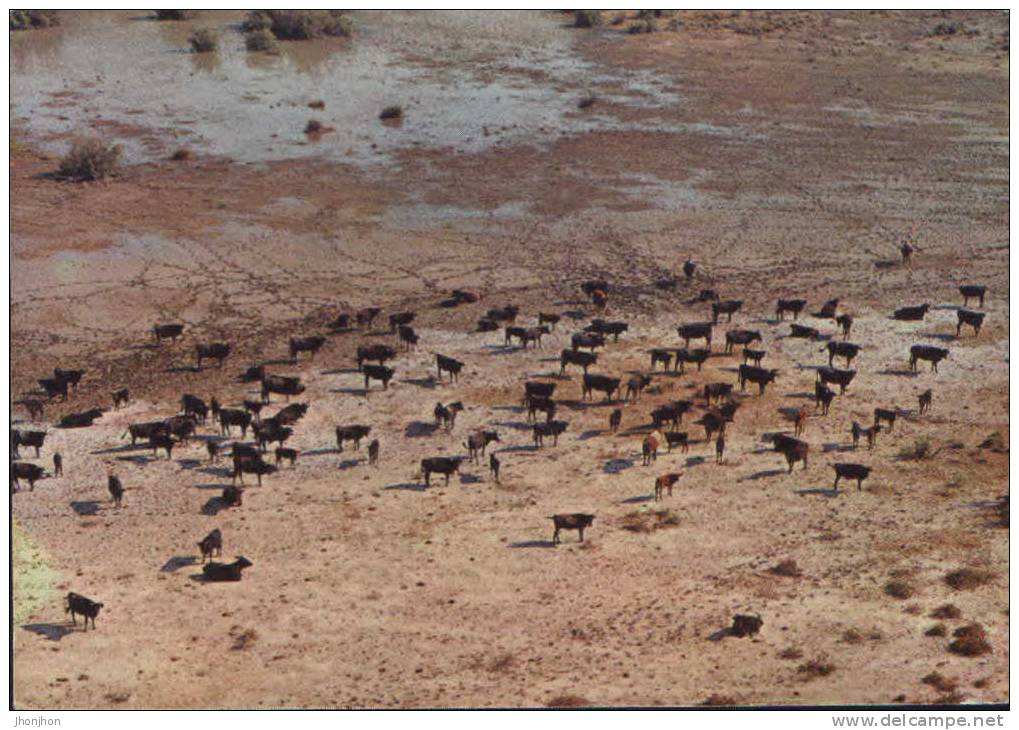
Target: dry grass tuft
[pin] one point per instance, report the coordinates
(180, 155)
(243, 639)
(900, 589)
(27, 19)
(790, 652)
(587, 18)
(587, 102)
(258, 40)
(966, 579)
(852, 636)
(940, 683)
(970, 640)
(90, 160)
(787, 568)
(936, 630)
(567, 700)
(717, 700)
(815, 668)
(502, 663)
(203, 40)
(949, 610)
(650, 521)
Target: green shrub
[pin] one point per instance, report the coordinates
(90, 160)
(203, 40)
(587, 18)
(259, 40)
(26, 19)
(175, 14)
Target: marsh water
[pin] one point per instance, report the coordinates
(467, 81)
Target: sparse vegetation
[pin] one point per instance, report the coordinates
(587, 18)
(790, 652)
(966, 579)
(299, 25)
(717, 700)
(317, 104)
(259, 40)
(28, 19)
(650, 521)
(940, 683)
(787, 568)
(996, 442)
(567, 700)
(175, 14)
(920, 450)
(970, 640)
(90, 160)
(937, 630)
(815, 668)
(588, 101)
(181, 154)
(314, 126)
(502, 663)
(242, 638)
(900, 589)
(643, 26)
(391, 112)
(948, 610)
(203, 40)
(852, 636)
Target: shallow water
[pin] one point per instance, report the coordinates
(467, 81)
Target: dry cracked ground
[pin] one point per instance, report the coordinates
(789, 154)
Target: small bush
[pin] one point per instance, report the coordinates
(588, 101)
(946, 29)
(259, 40)
(650, 521)
(790, 653)
(90, 160)
(852, 636)
(717, 700)
(317, 104)
(175, 14)
(815, 668)
(966, 579)
(27, 19)
(946, 611)
(970, 640)
(940, 683)
(587, 18)
(242, 638)
(936, 630)
(567, 700)
(203, 40)
(299, 25)
(920, 450)
(899, 589)
(313, 126)
(787, 568)
(644, 26)
(502, 663)
(391, 112)
(180, 155)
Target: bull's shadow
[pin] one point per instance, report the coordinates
(637, 499)
(122, 449)
(428, 382)
(470, 479)
(502, 349)
(360, 392)
(800, 394)
(53, 632)
(837, 447)
(532, 544)
(177, 562)
(182, 369)
(551, 375)
(214, 506)
(616, 466)
(821, 491)
(285, 361)
(417, 429)
(314, 452)
(590, 434)
(341, 371)
(900, 372)
(886, 264)
(789, 414)
(764, 474)
(85, 508)
(213, 485)
(695, 460)
(946, 337)
(514, 449)
(407, 487)
(137, 459)
(189, 463)
(515, 425)
(348, 464)
(512, 409)
(217, 471)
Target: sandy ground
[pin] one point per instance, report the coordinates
(804, 147)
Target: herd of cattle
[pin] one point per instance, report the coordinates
(720, 405)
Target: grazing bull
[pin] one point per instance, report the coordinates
(707, 295)
(754, 356)
(649, 448)
(374, 353)
(400, 319)
(789, 305)
(661, 355)
(162, 441)
(803, 332)
(351, 433)
(54, 387)
(907, 253)
(911, 314)
(537, 389)
(576, 521)
(217, 572)
(859, 472)
(194, 406)
(972, 291)
(932, 354)
(793, 449)
(78, 605)
(213, 449)
(925, 399)
(887, 415)
(218, 351)
(856, 430)
(665, 482)
(286, 454)
(846, 350)
(718, 391)
(34, 407)
(250, 465)
(506, 314)
(254, 407)
(823, 396)
(587, 340)
(677, 438)
(670, 413)
(590, 286)
(461, 296)
(870, 434)
(487, 325)
(373, 452)
(232, 496)
(408, 336)
(167, 332)
(550, 319)
(695, 331)
(828, 310)
(286, 386)
(600, 299)
(71, 377)
(146, 430)
(842, 378)
(759, 376)
(615, 419)
(377, 372)
(33, 439)
(713, 422)
(534, 334)
(601, 327)
(720, 448)
(552, 429)
(477, 442)
(728, 307)
(743, 625)
(58, 464)
(116, 489)
(80, 420)
(973, 319)
(182, 427)
(698, 356)
(211, 545)
(340, 324)
(445, 465)
(31, 473)
(270, 432)
(312, 344)
(365, 318)
(576, 357)
(510, 332)
(446, 415)
(448, 365)
(602, 383)
(845, 321)
(740, 337)
(801, 421)
(493, 467)
(545, 405)
(253, 374)
(635, 386)
(233, 417)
